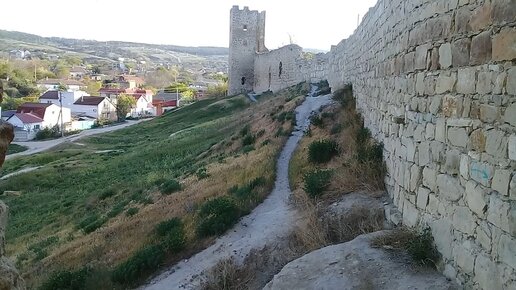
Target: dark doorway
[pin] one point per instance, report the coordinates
(280, 68)
(243, 80)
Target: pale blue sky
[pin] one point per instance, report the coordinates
(186, 22)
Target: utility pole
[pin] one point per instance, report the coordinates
(61, 112)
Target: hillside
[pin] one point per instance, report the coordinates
(113, 50)
(97, 202)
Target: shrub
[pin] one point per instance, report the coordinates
(140, 264)
(335, 129)
(317, 121)
(48, 133)
(246, 191)
(345, 96)
(245, 130)
(248, 148)
(216, 216)
(170, 186)
(202, 173)
(91, 223)
(132, 211)
(322, 151)
(64, 280)
(316, 182)
(172, 234)
(363, 136)
(248, 140)
(108, 192)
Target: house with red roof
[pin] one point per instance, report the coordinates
(164, 101)
(143, 97)
(32, 117)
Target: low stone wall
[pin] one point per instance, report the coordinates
(436, 82)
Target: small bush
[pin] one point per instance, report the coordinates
(246, 191)
(132, 211)
(245, 130)
(322, 151)
(143, 262)
(336, 128)
(363, 136)
(108, 192)
(202, 173)
(117, 209)
(64, 280)
(345, 96)
(315, 182)
(91, 223)
(317, 121)
(172, 234)
(170, 186)
(48, 133)
(216, 216)
(248, 140)
(248, 148)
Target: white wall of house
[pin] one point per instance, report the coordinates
(16, 122)
(104, 110)
(52, 116)
(143, 107)
(56, 86)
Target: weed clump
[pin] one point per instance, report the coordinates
(172, 234)
(141, 263)
(216, 216)
(322, 151)
(170, 186)
(67, 280)
(316, 182)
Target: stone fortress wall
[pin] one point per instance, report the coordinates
(435, 81)
(252, 67)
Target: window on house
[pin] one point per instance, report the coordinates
(36, 127)
(243, 80)
(280, 68)
(245, 27)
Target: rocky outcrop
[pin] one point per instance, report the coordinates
(9, 276)
(356, 265)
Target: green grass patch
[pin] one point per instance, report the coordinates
(15, 148)
(322, 151)
(170, 186)
(216, 216)
(316, 181)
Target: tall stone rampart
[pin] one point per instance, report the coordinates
(435, 81)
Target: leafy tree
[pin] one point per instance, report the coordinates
(124, 105)
(92, 87)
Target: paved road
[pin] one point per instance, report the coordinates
(38, 146)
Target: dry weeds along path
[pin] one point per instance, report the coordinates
(270, 221)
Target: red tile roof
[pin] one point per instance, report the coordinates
(89, 101)
(28, 118)
(37, 109)
(50, 95)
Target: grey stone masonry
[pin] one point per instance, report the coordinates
(448, 68)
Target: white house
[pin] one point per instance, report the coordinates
(32, 117)
(95, 107)
(53, 84)
(68, 98)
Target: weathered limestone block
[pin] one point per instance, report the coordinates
(503, 44)
(498, 212)
(445, 55)
(481, 17)
(481, 172)
(466, 80)
(449, 187)
(10, 278)
(415, 177)
(410, 215)
(501, 181)
(462, 19)
(464, 255)
(512, 147)
(486, 273)
(483, 235)
(464, 220)
(442, 233)
(499, 83)
(485, 82)
(452, 163)
(445, 83)
(510, 115)
(460, 52)
(475, 198)
(488, 113)
(458, 136)
(477, 140)
(430, 178)
(424, 153)
(512, 188)
(496, 143)
(440, 130)
(422, 197)
(503, 11)
(507, 250)
(481, 48)
(464, 166)
(511, 86)
(421, 55)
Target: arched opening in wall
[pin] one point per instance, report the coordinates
(245, 28)
(270, 77)
(280, 68)
(243, 80)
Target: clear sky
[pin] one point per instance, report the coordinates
(312, 24)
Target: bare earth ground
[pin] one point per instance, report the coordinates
(269, 222)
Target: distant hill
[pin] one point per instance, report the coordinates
(79, 45)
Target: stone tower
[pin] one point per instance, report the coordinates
(246, 38)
